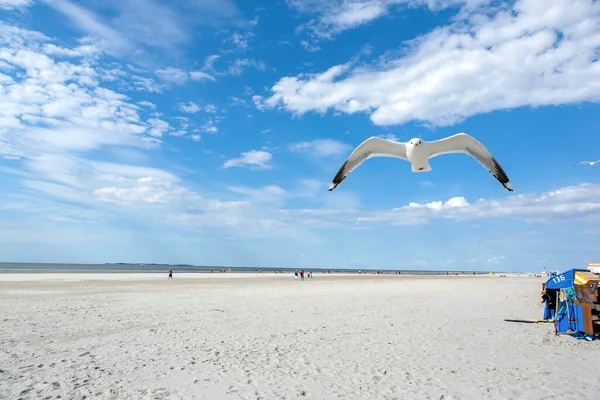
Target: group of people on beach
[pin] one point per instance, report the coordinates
(296, 274)
(301, 274)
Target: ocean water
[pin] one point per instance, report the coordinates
(95, 268)
(145, 268)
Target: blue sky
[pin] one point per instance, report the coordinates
(207, 132)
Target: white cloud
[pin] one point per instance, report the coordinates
(239, 40)
(199, 76)
(147, 104)
(211, 124)
(256, 159)
(158, 127)
(210, 108)
(210, 61)
(59, 106)
(143, 190)
(15, 4)
(145, 84)
(235, 67)
(238, 66)
(573, 202)
(534, 54)
(321, 147)
(336, 16)
(88, 50)
(310, 46)
(193, 108)
(236, 101)
(190, 107)
(174, 75)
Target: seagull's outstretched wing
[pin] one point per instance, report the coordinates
(463, 143)
(372, 147)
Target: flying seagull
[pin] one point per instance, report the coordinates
(418, 152)
(592, 163)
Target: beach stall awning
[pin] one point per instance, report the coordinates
(583, 277)
(564, 280)
(571, 277)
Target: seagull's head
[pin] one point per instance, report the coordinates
(414, 142)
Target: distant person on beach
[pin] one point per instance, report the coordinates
(170, 273)
(296, 275)
(302, 275)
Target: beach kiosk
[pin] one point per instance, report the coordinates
(576, 300)
(594, 267)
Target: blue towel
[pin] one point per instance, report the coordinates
(562, 309)
(582, 336)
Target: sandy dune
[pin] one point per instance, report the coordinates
(263, 336)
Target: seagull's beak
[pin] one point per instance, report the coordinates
(415, 144)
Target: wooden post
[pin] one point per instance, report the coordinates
(556, 312)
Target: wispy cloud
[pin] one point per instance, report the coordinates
(254, 159)
(108, 37)
(190, 107)
(199, 76)
(15, 4)
(335, 16)
(321, 148)
(147, 24)
(193, 108)
(174, 75)
(235, 67)
(239, 40)
(239, 65)
(180, 77)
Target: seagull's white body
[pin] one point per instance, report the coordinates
(418, 156)
(591, 163)
(418, 152)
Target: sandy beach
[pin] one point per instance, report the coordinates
(267, 336)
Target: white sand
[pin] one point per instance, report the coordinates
(265, 336)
